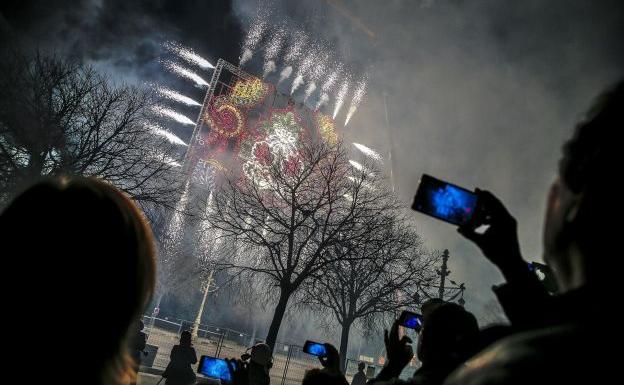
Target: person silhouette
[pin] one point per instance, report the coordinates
(183, 355)
(137, 344)
(579, 235)
(76, 248)
(360, 377)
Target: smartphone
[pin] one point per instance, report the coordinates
(315, 348)
(214, 368)
(410, 320)
(444, 201)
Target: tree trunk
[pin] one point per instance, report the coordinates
(344, 344)
(278, 316)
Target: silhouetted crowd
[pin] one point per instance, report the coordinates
(82, 254)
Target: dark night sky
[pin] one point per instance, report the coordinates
(481, 92)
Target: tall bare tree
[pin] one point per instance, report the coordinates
(288, 215)
(377, 274)
(62, 117)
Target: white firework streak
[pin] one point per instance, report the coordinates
(322, 100)
(359, 93)
(305, 66)
(246, 56)
(275, 44)
(170, 136)
(285, 74)
(358, 166)
(295, 49)
(296, 83)
(272, 50)
(317, 70)
(342, 93)
(268, 67)
(331, 80)
(188, 54)
(175, 96)
(170, 161)
(173, 236)
(184, 72)
(309, 90)
(169, 113)
(368, 151)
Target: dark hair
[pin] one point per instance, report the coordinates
(445, 329)
(185, 338)
(323, 377)
(86, 250)
(361, 365)
(590, 166)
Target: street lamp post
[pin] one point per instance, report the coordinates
(200, 312)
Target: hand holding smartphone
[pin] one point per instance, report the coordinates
(411, 320)
(445, 201)
(315, 348)
(216, 368)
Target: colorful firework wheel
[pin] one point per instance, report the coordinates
(326, 128)
(249, 93)
(225, 119)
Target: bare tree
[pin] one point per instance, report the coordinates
(378, 273)
(287, 216)
(60, 117)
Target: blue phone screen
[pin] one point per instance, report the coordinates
(316, 349)
(214, 368)
(413, 321)
(445, 201)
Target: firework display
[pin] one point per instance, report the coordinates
(248, 127)
(326, 128)
(249, 93)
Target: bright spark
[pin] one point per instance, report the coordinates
(186, 73)
(368, 151)
(189, 55)
(169, 113)
(175, 96)
(342, 93)
(170, 136)
(359, 93)
(285, 74)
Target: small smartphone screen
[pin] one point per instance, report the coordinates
(214, 368)
(410, 320)
(444, 201)
(315, 349)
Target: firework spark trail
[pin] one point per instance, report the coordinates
(358, 166)
(296, 83)
(322, 100)
(342, 93)
(188, 54)
(359, 93)
(174, 235)
(368, 151)
(253, 38)
(170, 136)
(309, 91)
(186, 73)
(272, 50)
(175, 96)
(285, 74)
(268, 67)
(295, 49)
(331, 80)
(178, 117)
(303, 69)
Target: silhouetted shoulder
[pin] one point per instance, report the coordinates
(563, 354)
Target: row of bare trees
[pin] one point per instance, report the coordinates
(59, 117)
(318, 232)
